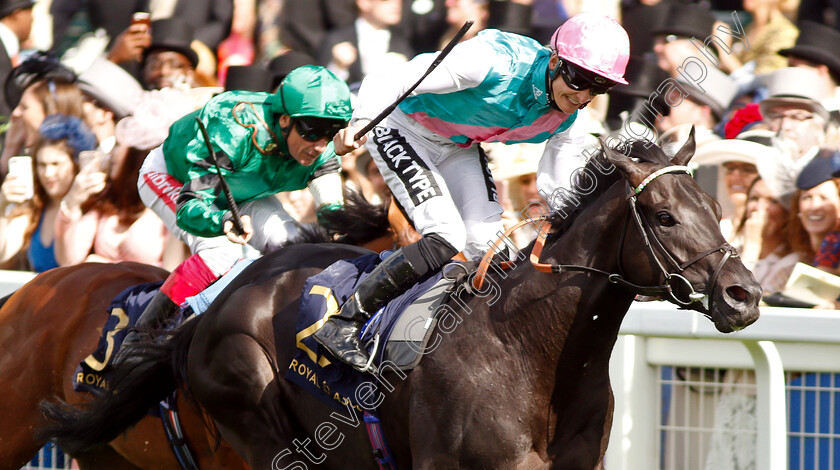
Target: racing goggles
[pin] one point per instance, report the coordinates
(579, 79)
(314, 129)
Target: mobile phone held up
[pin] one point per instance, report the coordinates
(21, 166)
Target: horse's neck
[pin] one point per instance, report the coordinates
(570, 319)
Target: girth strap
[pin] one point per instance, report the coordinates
(381, 452)
(175, 436)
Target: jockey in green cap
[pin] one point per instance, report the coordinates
(265, 143)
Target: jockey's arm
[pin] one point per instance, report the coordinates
(465, 67)
(196, 211)
(326, 186)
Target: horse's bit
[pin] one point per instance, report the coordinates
(647, 234)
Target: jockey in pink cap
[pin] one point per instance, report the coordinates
(496, 87)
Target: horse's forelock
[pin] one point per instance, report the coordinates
(644, 151)
(637, 149)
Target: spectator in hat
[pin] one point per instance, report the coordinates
(815, 224)
(793, 110)
(639, 18)
(636, 107)
(736, 163)
(15, 26)
(36, 88)
(696, 107)
(281, 65)
(111, 94)
(672, 40)
(371, 43)
(818, 48)
(169, 61)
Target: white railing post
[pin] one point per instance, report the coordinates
(771, 445)
(634, 428)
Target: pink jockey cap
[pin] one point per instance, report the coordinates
(595, 42)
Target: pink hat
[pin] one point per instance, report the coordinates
(595, 42)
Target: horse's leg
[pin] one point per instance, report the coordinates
(233, 378)
(237, 386)
(605, 439)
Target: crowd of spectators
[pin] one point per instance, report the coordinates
(757, 79)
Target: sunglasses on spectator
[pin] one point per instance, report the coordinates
(579, 79)
(315, 129)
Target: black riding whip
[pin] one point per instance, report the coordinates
(237, 223)
(461, 32)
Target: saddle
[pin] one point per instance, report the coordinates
(397, 336)
(91, 375)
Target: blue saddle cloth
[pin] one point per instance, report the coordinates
(91, 375)
(313, 368)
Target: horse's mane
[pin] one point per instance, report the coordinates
(640, 150)
(356, 222)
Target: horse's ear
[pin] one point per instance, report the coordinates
(687, 151)
(631, 170)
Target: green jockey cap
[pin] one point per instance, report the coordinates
(313, 91)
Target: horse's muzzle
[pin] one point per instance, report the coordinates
(736, 306)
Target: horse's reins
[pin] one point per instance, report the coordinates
(618, 278)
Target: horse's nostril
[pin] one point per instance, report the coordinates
(737, 292)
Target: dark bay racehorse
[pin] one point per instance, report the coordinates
(519, 378)
(46, 328)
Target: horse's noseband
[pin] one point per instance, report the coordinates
(667, 289)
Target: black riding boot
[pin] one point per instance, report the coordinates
(340, 334)
(160, 309)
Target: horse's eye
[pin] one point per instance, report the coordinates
(665, 219)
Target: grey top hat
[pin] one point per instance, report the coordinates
(111, 86)
(795, 86)
(718, 91)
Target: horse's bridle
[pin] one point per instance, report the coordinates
(662, 290)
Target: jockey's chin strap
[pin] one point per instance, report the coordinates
(666, 289)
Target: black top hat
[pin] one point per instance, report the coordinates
(817, 43)
(7, 7)
(248, 78)
(281, 65)
(510, 16)
(643, 77)
(38, 66)
(172, 34)
(687, 20)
